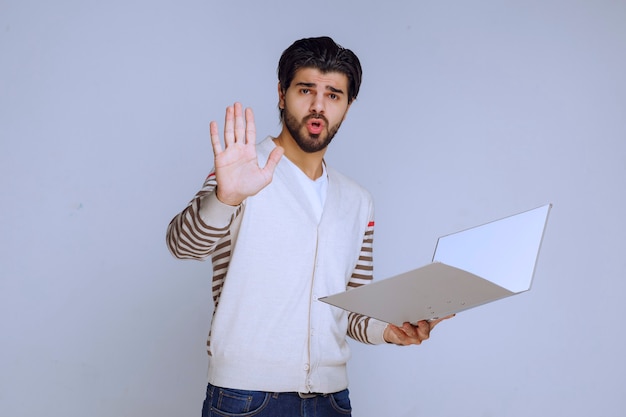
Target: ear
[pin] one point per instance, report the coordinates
(281, 97)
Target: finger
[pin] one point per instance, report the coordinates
(240, 127)
(399, 336)
(229, 126)
(273, 160)
(433, 323)
(405, 335)
(423, 329)
(250, 127)
(215, 138)
(410, 335)
(410, 330)
(390, 335)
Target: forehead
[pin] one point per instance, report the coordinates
(321, 79)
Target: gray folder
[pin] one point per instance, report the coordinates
(470, 268)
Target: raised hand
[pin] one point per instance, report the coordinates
(237, 171)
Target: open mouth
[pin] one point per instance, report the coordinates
(315, 126)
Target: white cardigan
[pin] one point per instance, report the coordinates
(269, 331)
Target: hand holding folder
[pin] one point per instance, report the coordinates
(470, 268)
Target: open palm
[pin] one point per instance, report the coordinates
(236, 165)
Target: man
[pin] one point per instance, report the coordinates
(283, 229)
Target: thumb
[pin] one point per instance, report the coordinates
(273, 160)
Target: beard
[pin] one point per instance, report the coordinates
(308, 142)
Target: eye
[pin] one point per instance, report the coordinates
(305, 91)
(333, 96)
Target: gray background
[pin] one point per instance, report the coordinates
(469, 111)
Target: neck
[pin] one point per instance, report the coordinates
(309, 163)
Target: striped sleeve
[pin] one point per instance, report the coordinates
(196, 232)
(362, 328)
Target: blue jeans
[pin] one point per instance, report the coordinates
(226, 402)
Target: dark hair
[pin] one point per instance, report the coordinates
(323, 54)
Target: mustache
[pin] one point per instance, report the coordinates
(316, 116)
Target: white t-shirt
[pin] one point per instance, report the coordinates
(315, 190)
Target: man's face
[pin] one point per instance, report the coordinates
(314, 106)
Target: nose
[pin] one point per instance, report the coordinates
(317, 103)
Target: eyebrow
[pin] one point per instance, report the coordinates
(328, 87)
